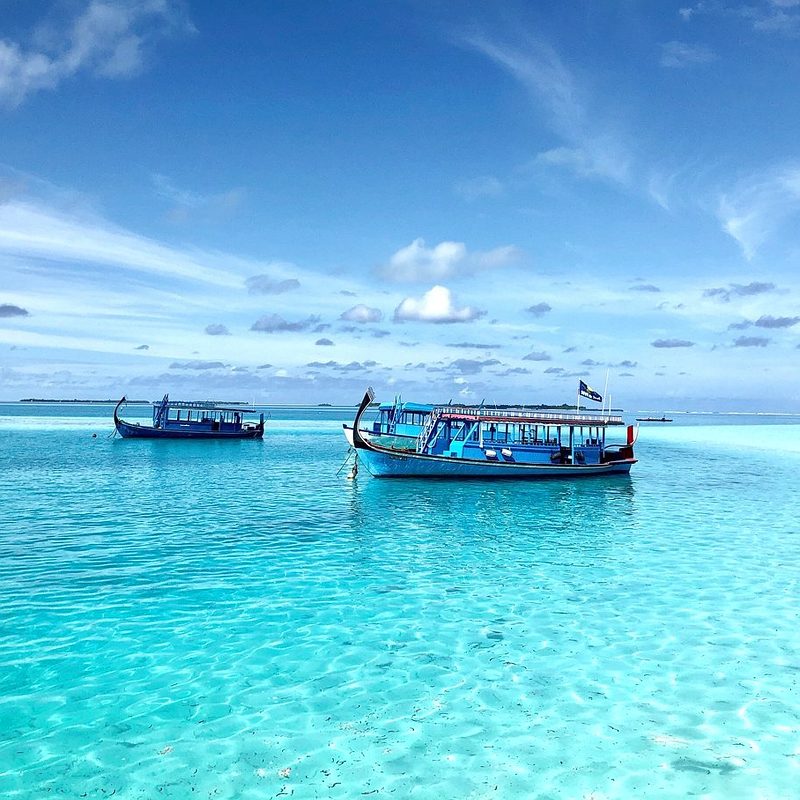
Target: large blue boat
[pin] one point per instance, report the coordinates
(467, 442)
(192, 420)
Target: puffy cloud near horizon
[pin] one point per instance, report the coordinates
(324, 342)
(274, 323)
(739, 290)
(539, 309)
(417, 263)
(668, 343)
(435, 306)
(645, 287)
(217, 330)
(470, 366)
(768, 321)
(109, 40)
(537, 357)
(751, 341)
(9, 310)
(265, 284)
(201, 365)
(362, 314)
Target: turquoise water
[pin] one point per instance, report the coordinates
(236, 620)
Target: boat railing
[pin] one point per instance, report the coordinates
(427, 430)
(541, 416)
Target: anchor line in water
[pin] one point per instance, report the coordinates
(350, 450)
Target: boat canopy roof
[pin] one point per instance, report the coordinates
(419, 408)
(537, 417)
(205, 405)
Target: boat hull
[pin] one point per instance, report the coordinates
(381, 464)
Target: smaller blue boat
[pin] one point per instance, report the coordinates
(192, 420)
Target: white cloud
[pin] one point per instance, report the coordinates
(436, 305)
(109, 39)
(417, 263)
(362, 314)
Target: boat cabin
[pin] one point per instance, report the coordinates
(200, 416)
(518, 436)
(401, 419)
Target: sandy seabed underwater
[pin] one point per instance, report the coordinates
(238, 620)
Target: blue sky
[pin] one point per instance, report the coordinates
(288, 201)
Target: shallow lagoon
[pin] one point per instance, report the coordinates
(234, 619)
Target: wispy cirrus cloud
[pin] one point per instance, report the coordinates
(591, 147)
(267, 284)
(110, 39)
(769, 16)
(33, 230)
(187, 204)
(484, 186)
(680, 54)
(753, 210)
(418, 263)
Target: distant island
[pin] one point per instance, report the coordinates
(87, 402)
